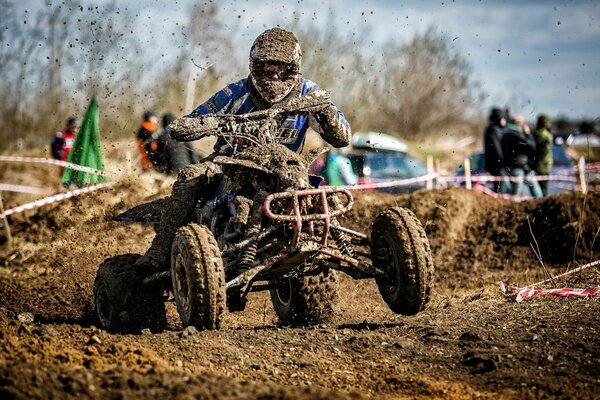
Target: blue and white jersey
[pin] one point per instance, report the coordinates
(236, 99)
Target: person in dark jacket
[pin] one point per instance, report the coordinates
(518, 148)
(543, 155)
(172, 155)
(492, 137)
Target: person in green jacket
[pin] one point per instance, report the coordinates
(338, 171)
(543, 154)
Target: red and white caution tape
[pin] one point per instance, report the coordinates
(490, 192)
(493, 178)
(6, 187)
(393, 183)
(52, 199)
(39, 160)
(517, 294)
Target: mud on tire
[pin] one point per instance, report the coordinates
(123, 303)
(198, 277)
(400, 247)
(307, 300)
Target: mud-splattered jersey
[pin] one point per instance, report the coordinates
(236, 99)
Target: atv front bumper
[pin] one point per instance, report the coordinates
(297, 217)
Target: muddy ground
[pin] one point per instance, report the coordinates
(469, 343)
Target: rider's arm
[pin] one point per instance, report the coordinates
(221, 102)
(331, 123)
(332, 126)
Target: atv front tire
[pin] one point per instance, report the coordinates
(198, 277)
(399, 246)
(307, 300)
(123, 303)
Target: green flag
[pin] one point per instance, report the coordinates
(86, 150)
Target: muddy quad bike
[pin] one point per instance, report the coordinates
(268, 227)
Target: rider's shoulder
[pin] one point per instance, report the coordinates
(232, 90)
(238, 87)
(308, 86)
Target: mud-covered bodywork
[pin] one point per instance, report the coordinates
(276, 160)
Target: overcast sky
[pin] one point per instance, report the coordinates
(541, 56)
(536, 56)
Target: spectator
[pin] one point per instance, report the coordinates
(63, 141)
(172, 155)
(543, 152)
(507, 114)
(492, 144)
(146, 139)
(518, 148)
(338, 170)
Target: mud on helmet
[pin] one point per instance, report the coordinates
(275, 59)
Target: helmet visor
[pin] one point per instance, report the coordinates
(274, 80)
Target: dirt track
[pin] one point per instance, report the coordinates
(469, 343)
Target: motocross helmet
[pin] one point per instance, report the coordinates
(275, 60)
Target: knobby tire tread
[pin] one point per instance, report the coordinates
(144, 306)
(206, 276)
(417, 251)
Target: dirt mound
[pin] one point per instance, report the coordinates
(57, 249)
(468, 343)
(471, 233)
(566, 227)
(46, 361)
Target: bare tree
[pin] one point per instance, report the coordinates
(203, 65)
(74, 49)
(421, 87)
(428, 87)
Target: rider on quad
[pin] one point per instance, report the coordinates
(274, 80)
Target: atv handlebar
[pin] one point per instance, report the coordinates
(257, 126)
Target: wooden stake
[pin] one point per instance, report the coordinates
(581, 167)
(5, 222)
(467, 165)
(438, 171)
(429, 171)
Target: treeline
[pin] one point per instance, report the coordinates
(53, 60)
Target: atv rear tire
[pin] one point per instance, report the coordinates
(123, 303)
(307, 300)
(399, 246)
(198, 277)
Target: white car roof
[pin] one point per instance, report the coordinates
(377, 141)
(584, 140)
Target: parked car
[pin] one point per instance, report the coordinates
(379, 157)
(563, 166)
(585, 140)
